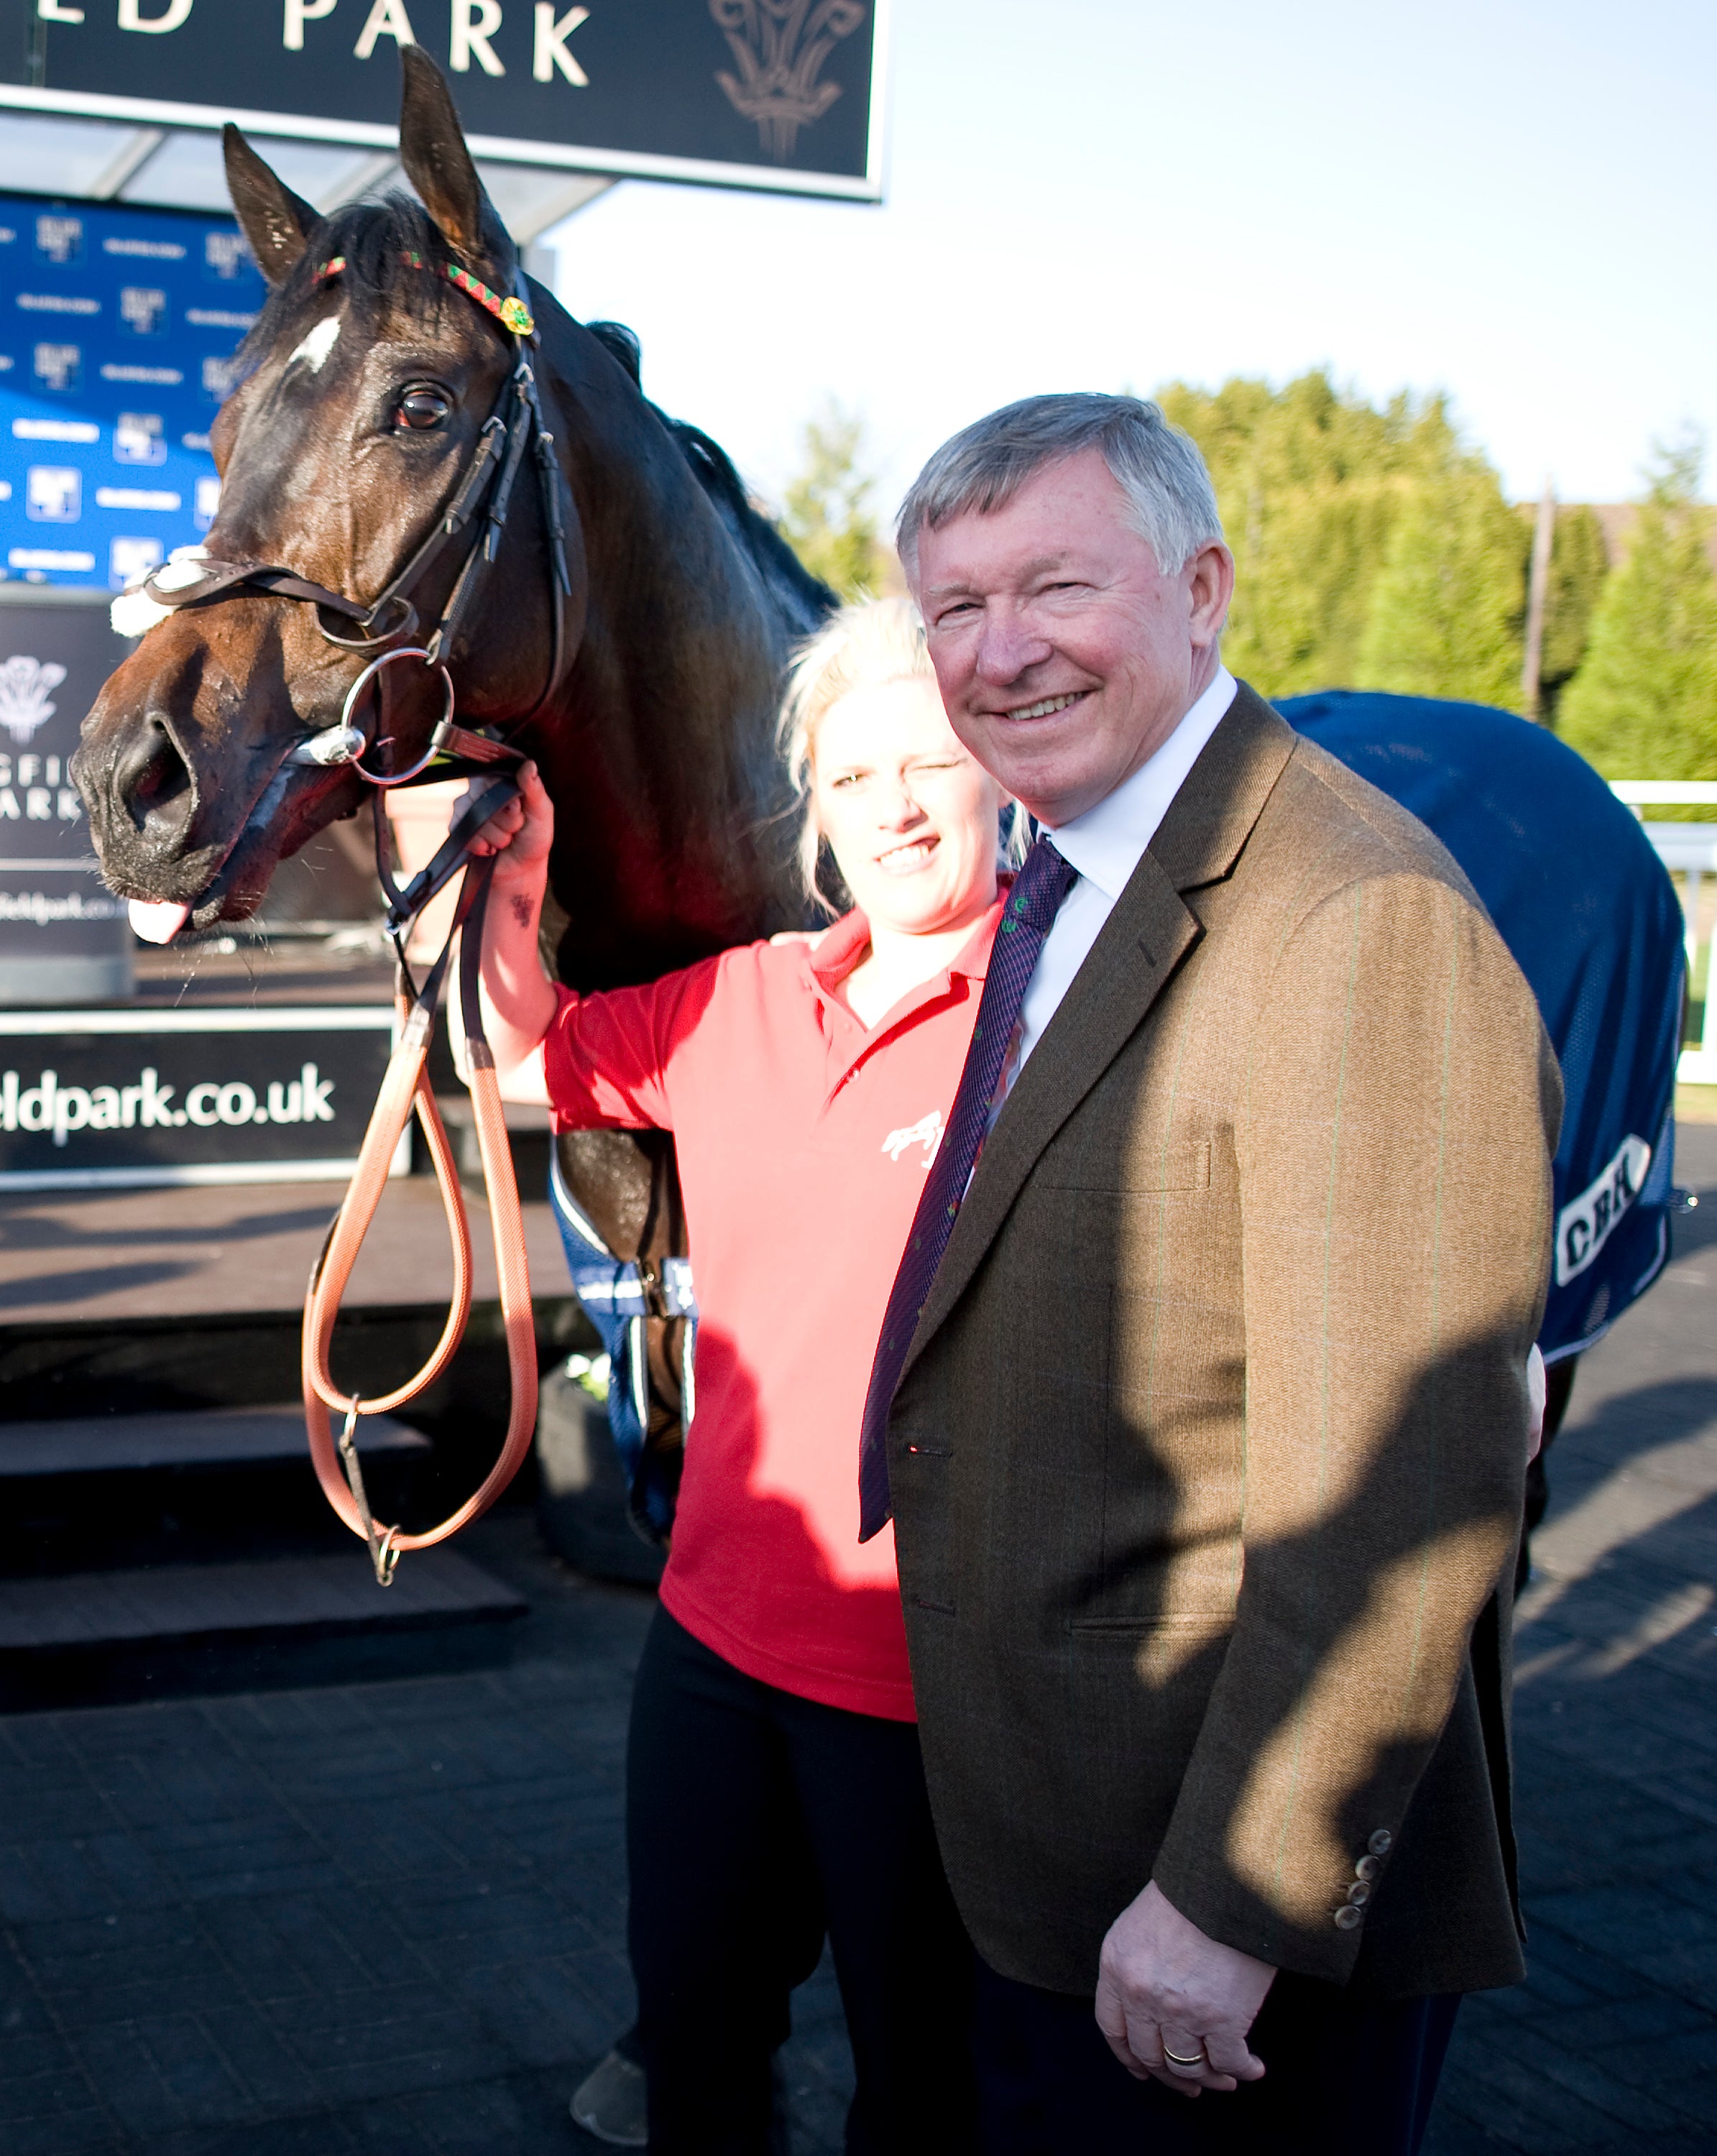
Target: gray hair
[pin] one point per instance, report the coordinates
(1157, 467)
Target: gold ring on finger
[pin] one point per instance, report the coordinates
(1199, 2058)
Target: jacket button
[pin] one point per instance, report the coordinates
(1367, 1868)
(1381, 1842)
(1347, 1917)
(1359, 1895)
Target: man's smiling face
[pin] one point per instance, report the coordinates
(1065, 656)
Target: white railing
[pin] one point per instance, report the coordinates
(1691, 848)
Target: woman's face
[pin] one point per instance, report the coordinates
(910, 817)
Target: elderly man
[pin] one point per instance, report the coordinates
(1201, 1406)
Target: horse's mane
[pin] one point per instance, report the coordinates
(803, 599)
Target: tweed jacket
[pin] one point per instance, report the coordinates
(1207, 1458)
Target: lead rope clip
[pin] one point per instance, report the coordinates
(383, 1555)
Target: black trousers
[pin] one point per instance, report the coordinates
(1345, 2077)
(756, 1821)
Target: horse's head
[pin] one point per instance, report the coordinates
(368, 382)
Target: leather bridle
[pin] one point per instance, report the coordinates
(513, 429)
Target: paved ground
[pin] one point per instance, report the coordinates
(389, 1918)
(386, 1918)
(1611, 2046)
(118, 1255)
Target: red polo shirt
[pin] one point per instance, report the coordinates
(802, 1144)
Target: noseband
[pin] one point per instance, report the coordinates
(513, 430)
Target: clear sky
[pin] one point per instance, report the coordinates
(1514, 200)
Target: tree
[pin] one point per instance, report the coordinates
(1447, 609)
(1579, 562)
(1312, 482)
(827, 520)
(1644, 704)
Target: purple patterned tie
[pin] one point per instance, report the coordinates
(1032, 905)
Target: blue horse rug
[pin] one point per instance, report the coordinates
(1588, 910)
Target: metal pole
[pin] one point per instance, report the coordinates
(1690, 919)
(1544, 539)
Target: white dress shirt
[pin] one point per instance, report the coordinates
(1105, 845)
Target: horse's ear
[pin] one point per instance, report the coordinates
(432, 149)
(276, 222)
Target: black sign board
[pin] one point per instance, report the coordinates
(63, 937)
(778, 94)
(92, 1100)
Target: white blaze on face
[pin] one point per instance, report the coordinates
(318, 344)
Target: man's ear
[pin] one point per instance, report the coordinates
(432, 149)
(1210, 576)
(276, 222)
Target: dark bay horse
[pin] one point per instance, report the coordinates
(367, 384)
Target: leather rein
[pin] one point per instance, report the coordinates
(514, 429)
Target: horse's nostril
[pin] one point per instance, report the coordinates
(154, 782)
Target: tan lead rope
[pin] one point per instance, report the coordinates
(405, 1088)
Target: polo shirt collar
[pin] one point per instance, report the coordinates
(1106, 843)
(841, 947)
(845, 943)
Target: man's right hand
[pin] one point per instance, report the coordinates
(1165, 1989)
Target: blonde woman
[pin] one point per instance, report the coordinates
(775, 1790)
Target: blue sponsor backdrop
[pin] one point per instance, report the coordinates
(117, 332)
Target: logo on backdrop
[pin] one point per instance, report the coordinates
(226, 255)
(779, 47)
(25, 686)
(54, 494)
(140, 438)
(59, 238)
(58, 366)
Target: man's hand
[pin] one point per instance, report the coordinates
(1163, 1987)
(1538, 1392)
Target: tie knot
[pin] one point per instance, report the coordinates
(1044, 879)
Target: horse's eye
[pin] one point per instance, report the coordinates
(422, 409)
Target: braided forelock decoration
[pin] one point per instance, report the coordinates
(388, 245)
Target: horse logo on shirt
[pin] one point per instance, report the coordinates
(927, 1131)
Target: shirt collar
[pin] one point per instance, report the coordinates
(842, 946)
(839, 949)
(1107, 843)
(845, 941)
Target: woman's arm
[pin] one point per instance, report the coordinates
(598, 1061)
(518, 998)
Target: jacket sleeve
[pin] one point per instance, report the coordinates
(1393, 1150)
(608, 1059)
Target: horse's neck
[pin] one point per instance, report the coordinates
(669, 798)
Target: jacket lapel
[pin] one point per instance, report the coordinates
(1143, 942)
